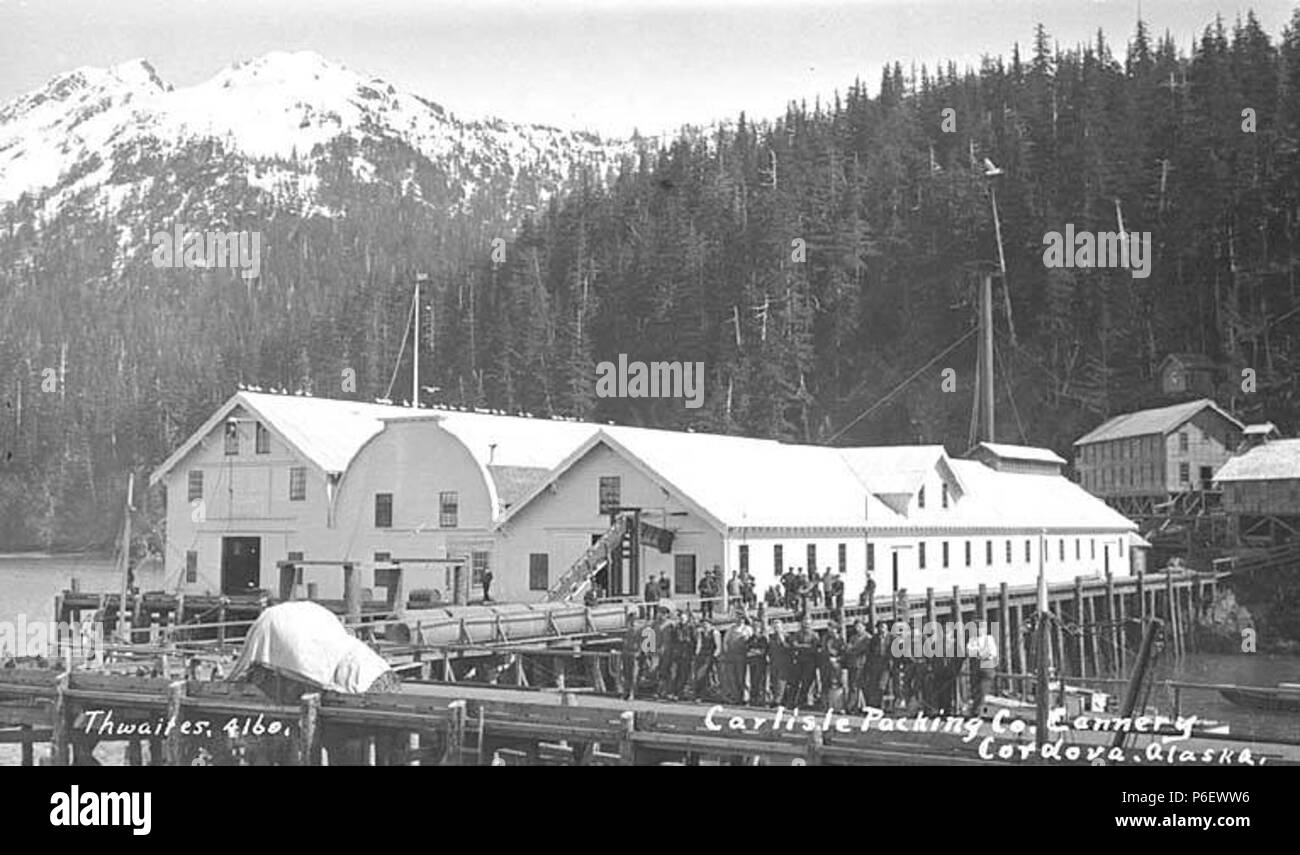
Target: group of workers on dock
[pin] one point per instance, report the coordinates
(677, 655)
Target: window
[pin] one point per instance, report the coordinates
(945, 553)
(843, 558)
(871, 557)
(196, 485)
(943, 494)
(744, 558)
(812, 556)
(920, 555)
(448, 509)
(1078, 549)
(778, 559)
(611, 493)
(920, 498)
(1182, 442)
(968, 553)
(192, 566)
(298, 483)
(988, 552)
(262, 443)
(1092, 548)
(1184, 472)
(539, 571)
(1008, 552)
(478, 564)
(684, 574)
(1061, 549)
(232, 437)
(1121, 547)
(1028, 551)
(383, 557)
(293, 556)
(383, 510)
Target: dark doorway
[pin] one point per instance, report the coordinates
(894, 556)
(241, 564)
(1207, 476)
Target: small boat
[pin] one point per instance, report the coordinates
(1284, 698)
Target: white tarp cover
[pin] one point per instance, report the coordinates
(305, 641)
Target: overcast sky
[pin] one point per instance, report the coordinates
(605, 65)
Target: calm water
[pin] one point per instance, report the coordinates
(29, 582)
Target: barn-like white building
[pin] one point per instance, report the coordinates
(272, 478)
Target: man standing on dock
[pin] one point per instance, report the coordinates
(631, 655)
(735, 646)
(708, 647)
(487, 586)
(983, 653)
(756, 656)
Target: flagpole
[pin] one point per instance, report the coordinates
(1041, 631)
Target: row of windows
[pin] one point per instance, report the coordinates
(448, 509)
(1123, 449)
(297, 484)
(922, 557)
(1125, 476)
(778, 557)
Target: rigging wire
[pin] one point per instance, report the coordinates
(892, 392)
(1010, 395)
(402, 349)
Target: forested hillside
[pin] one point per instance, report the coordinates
(813, 262)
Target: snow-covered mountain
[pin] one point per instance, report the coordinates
(280, 132)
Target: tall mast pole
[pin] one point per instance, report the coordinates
(415, 353)
(986, 355)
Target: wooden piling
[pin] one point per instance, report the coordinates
(456, 735)
(59, 737)
(352, 594)
(172, 741)
(1117, 657)
(1022, 666)
(1004, 629)
(29, 757)
(626, 745)
(1079, 624)
(1059, 623)
(308, 732)
(1171, 614)
(1091, 630)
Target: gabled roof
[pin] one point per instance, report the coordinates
(326, 432)
(1273, 461)
(1160, 421)
(737, 482)
(895, 469)
(1261, 429)
(1022, 452)
(515, 482)
(1028, 501)
(1188, 360)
